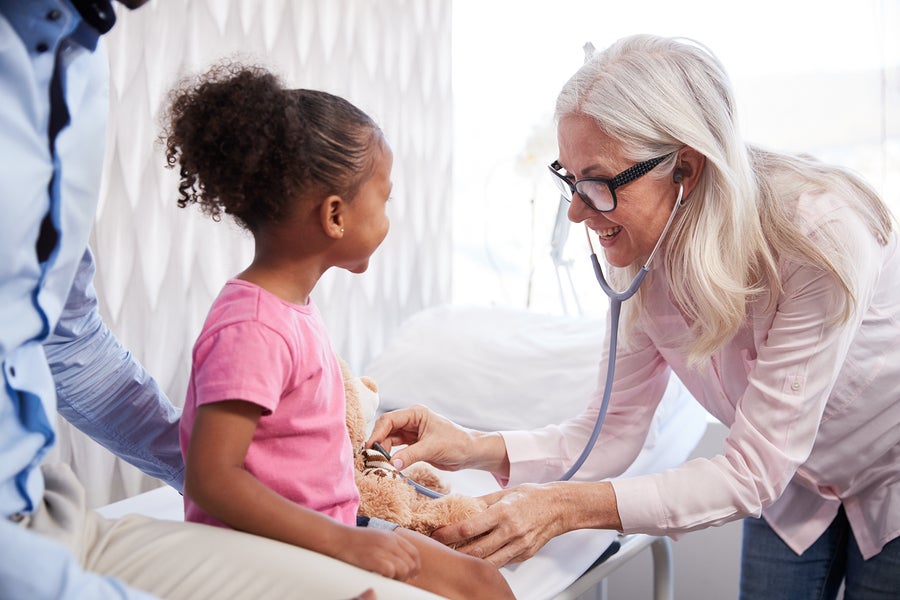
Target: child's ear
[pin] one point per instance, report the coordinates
(332, 214)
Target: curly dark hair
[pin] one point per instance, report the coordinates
(251, 148)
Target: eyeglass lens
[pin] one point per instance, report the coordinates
(595, 194)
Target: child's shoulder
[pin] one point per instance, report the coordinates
(237, 299)
(245, 302)
(237, 302)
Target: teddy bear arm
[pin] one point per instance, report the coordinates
(434, 513)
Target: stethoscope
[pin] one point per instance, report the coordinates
(615, 306)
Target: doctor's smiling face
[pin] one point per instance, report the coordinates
(628, 233)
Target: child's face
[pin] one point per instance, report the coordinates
(367, 222)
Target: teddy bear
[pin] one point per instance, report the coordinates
(384, 491)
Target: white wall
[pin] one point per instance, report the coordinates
(159, 267)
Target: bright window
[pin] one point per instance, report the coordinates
(821, 77)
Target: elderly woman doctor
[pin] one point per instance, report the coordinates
(774, 296)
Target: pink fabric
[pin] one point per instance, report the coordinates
(813, 407)
(258, 348)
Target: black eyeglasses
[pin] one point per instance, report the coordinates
(599, 193)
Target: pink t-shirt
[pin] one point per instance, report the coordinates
(258, 348)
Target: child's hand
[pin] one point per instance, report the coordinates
(382, 552)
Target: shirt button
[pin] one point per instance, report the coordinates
(12, 371)
(53, 15)
(42, 47)
(795, 386)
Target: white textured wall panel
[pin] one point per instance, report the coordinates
(159, 267)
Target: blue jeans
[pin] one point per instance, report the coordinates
(770, 570)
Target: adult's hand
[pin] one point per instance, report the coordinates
(434, 439)
(520, 521)
(380, 551)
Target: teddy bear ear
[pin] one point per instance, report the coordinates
(369, 383)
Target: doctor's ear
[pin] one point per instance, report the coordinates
(688, 168)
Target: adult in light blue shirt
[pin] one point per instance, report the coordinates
(54, 348)
(58, 357)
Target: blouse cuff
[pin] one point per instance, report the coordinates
(640, 505)
(528, 460)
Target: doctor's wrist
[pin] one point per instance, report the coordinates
(587, 505)
(489, 453)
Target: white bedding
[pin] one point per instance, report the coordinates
(494, 368)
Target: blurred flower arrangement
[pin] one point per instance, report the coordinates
(539, 149)
(531, 164)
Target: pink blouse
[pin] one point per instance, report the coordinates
(812, 406)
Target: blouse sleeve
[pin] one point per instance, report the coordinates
(545, 454)
(777, 418)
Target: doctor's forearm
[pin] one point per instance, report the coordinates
(587, 505)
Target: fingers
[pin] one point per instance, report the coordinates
(522, 545)
(507, 542)
(383, 427)
(408, 556)
(405, 456)
(385, 553)
(431, 438)
(464, 531)
(397, 427)
(510, 529)
(404, 427)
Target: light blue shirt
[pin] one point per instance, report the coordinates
(55, 350)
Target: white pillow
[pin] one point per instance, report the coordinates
(491, 368)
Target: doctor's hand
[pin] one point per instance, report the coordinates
(521, 520)
(434, 439)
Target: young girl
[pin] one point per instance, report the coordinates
(263, 431)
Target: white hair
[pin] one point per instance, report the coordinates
(656, 95)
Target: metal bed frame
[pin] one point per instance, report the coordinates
(592, 584)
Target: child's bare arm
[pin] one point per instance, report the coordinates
(217, 481)
(455, 575)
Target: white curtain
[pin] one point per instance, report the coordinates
(159, 267)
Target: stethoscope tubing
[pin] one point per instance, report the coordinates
(615, 308)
